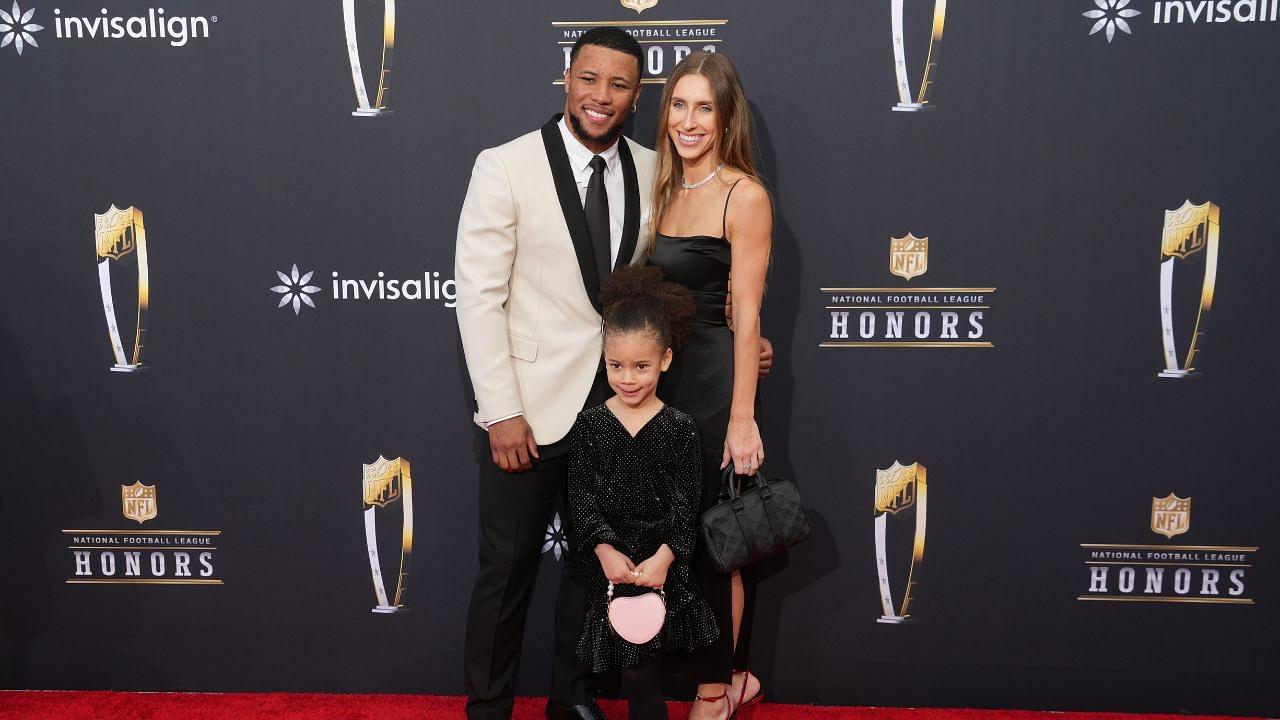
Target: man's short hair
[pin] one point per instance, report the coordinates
(614, 39)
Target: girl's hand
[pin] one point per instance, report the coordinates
(617, 567)
(652, 573)
(743, 447)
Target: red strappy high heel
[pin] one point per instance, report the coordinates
(755, 699)
(716, 698)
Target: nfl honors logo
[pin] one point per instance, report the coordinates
(1170, 515)
(908, 256)
(138, 501)
(1207, 574)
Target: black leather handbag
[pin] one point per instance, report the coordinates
(749, 525)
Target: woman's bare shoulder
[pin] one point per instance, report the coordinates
(749, 195)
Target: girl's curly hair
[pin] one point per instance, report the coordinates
(638, 298)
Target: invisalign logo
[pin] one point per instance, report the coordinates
(1117, 16)
(155, 24)
(296, 289)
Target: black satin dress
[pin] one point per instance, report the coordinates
(700, 382)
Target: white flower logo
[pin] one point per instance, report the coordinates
(555, 540)
(17, 28)
(1111, 14)
(295, 289)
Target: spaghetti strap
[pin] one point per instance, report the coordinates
(724, 219)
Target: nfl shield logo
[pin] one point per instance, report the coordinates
(1170, 515)
(382, 481)
(896, 488)
(115, 231)
(138, 501)
(639, 5)
(908, 256)
(1186, 229)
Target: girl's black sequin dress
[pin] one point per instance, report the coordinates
(636, 493)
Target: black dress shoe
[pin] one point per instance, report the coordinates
(588, 711)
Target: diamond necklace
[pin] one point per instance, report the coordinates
(701, 182)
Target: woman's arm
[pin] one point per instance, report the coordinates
(749, 227)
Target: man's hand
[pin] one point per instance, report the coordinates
(652, 573)
(512, 443)
(766, 357)
(617, 567)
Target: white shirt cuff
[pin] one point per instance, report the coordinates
(498, 420)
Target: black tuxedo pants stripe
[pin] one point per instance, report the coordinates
(515, 509)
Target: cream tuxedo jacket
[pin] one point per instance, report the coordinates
(526, 279)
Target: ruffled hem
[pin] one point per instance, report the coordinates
(692, 628)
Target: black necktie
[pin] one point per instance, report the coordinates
(596, 206)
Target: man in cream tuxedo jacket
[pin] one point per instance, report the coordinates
(547, 217)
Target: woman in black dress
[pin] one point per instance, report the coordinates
(715, 219)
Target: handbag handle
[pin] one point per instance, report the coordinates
(729, 476)
(609, 592)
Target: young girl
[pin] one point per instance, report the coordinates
(635, 478)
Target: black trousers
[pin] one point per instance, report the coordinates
(515, 509)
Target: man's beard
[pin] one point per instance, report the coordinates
(608, 137)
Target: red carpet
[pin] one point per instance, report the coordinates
(58, 705)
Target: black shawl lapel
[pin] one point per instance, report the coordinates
(631, 220)
(571, 206)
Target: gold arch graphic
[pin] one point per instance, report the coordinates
(378, 107)
(1188, 230)
(920, 101)
(899, 488)
(384, 482)
(119, 234)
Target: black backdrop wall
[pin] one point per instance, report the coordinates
(1052, 576)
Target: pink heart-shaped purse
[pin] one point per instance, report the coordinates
(637, 619)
